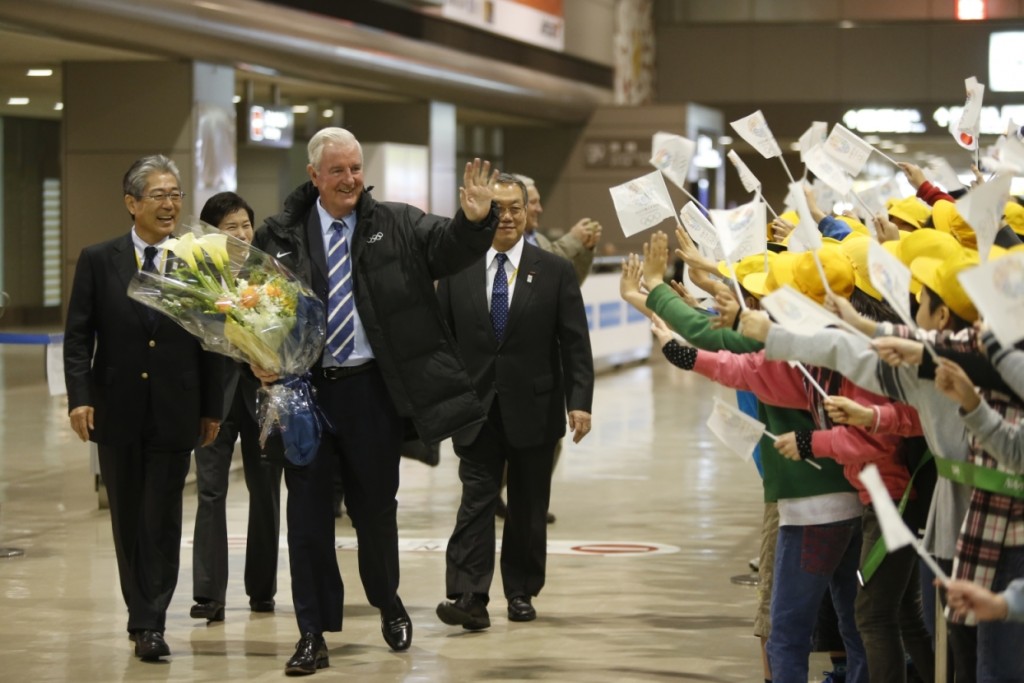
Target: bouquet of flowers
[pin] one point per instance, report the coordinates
(241, 302)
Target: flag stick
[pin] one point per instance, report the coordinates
(761, 197)
(785, 166)
(736, 286)
(800, 366)
(871, 216)
(928, 560)
(886, 157)
(775, 438)
(692, 199)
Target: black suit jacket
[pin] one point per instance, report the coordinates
(543, 367)
(136, 373)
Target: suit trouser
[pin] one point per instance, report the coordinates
(470, 555)
(365, 443)
(144, 488)
(210, 552)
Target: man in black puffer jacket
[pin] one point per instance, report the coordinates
(389, 358)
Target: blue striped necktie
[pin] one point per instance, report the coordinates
(499, 298)
(341, 326)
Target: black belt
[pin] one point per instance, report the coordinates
(341, 372)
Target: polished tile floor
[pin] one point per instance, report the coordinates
(649, 478)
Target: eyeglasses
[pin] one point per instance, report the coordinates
(161, 197)
(513, 211)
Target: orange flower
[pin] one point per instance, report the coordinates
(250, 297)
(273, 290)
(224, 305)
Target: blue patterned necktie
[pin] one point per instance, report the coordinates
(149, 262)
(341, 326)
(499, 298)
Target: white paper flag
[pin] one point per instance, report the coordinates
(672, 154)
(739, 432)
(894, 530)
(982, 208)
(1011, 154)
(828, 170)
(940, 172)
(825, 196)
(801, 315)
(642, 203)
(892, 280)
(749, 180)
(754, 129)
(700, 229)
(875, 197)
(805, 234)
(997, 290)
(847, 149)
(966, 129)
(812, 137)
(741, 231)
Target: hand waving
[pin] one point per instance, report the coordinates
(476, 192)
(655, 260)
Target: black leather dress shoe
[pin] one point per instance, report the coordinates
(520, 609)
(262, 605)
(310, 655)
(150, 646)
(469, 611)
(211, 610)
(396, 627)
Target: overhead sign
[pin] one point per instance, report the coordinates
(994, 120)
(268, 126)
(884, 120)
(540, 22)
(1006, 61)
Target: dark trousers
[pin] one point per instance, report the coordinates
(368, 433)
(889, 613)
(144, 488)
(963, 641)
(210, 550)
(470, 555)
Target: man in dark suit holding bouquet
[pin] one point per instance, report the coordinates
(145, 392)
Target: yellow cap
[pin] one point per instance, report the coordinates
(856, 249)
(926, 242)
(940, 276)
(895, 247)
(1013, 214)
(780, 272)
(910, 210)
(746, 265)
(948, 219)
(838, 269)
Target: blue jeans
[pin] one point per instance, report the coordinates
(1000, 642)
(808, 561)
